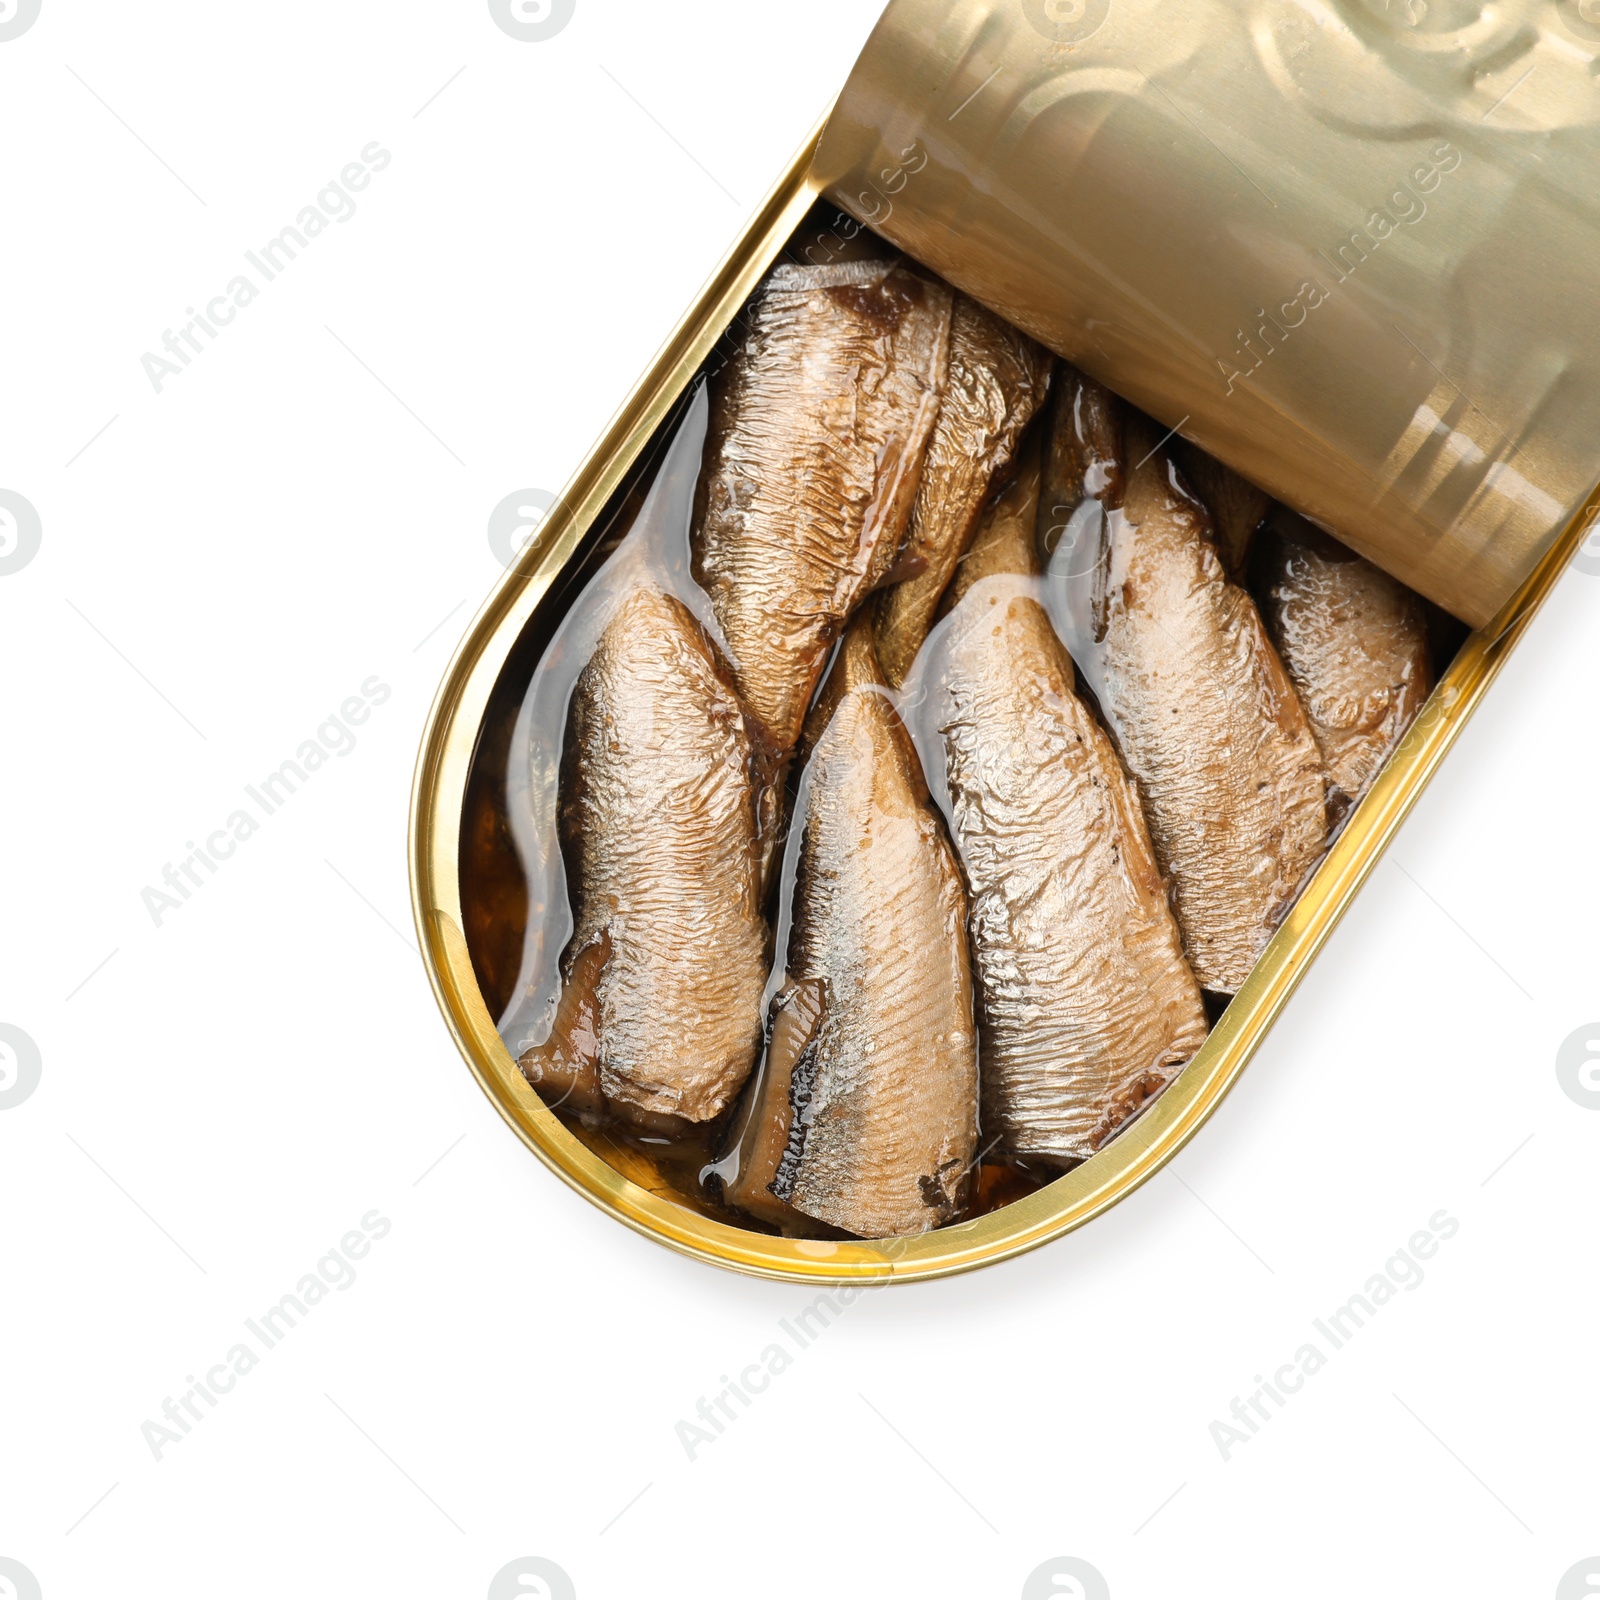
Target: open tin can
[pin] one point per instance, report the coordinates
(1347, 248)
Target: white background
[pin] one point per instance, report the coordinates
(226, 1095)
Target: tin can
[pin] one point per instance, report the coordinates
(986, 202)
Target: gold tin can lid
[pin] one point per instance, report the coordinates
(1351, 247)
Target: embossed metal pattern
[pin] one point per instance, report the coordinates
(1351, 247)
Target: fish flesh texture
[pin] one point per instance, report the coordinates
(1237, 507)
(866, 1114)
(998, 380)
(819, 427)
(660, 1012)
(1086, 1005)
(1355, 643)
(1203, 712)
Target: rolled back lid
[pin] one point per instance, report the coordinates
(1350, 247)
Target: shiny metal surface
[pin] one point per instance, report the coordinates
(1350, 247)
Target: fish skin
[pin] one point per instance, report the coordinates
(1237, 507)
(883, 1094)
(998, 379)
(818, 432)
(1203, 712)
(1086, 1005)
(1084, 455)
(1354, 641)
(764, 1128)
(660, 1012)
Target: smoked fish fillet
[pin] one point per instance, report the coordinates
(660, 1011)
(866, 1116)
(998, 380)
(1355, 642)
(1086, 1005)
(1203, 712)
(819, 427)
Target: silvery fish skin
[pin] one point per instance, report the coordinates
(1204, 714)
(1237, 508)
(998, 380)
(1086, 1006)
(660, 1012)
(866, 1117)
(818, 433)
(1355, 642)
